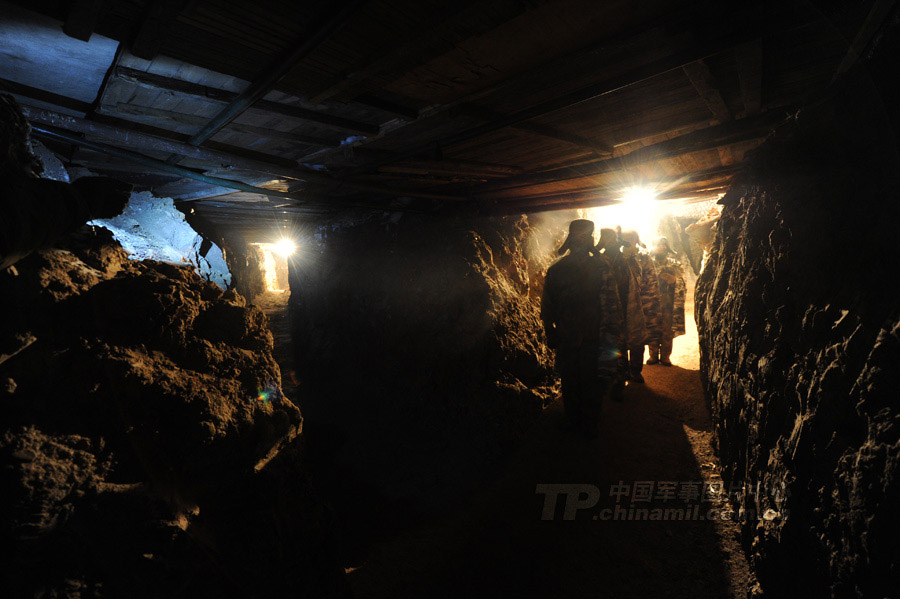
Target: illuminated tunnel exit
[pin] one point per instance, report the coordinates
(275, 263)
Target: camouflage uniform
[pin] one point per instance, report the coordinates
(581, 315)
(639, 296)
(672, 291)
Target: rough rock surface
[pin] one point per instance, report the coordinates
(151, 228)
(146, 446)
(799, 323)
(421, 353)
(247, 265)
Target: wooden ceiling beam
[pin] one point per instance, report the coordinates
(451, 168)
(395, 108)
(26, 91)
(180, 118)
(64, 127)
(707, 181)
(664, 187)
(212, 94)
(161, 166)
(703, 139)
(594, 51)
(422, 46)
(487, 115)
(703, 81)
(724, 40)
(270, 77)
(130, 137)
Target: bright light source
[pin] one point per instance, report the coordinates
(285, 247)
(637, 209)
(638, 195)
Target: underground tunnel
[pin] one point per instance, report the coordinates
(381, 298)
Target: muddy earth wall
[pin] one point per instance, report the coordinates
(146, 447)
(799, 320)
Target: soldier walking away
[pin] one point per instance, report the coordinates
(671, 291)
(637, 329)
(643, 271)
(580, 312)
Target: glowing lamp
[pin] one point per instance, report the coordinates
(285, 247)
(638, 195)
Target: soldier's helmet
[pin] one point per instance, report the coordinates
(663, 242)
(580, 231)
(608, 237)
(632, 237)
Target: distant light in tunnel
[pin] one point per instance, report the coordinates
(635, 209)
(639, 196)
(638, 211)
(285, 247)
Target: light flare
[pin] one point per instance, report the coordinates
(285, 247)
(636, 209)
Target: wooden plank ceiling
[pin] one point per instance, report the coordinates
(502, 106)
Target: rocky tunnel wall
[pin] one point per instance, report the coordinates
(799, 322)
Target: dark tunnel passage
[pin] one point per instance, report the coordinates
(379, 298)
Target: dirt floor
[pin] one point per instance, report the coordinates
(274, 304)
(498, 543)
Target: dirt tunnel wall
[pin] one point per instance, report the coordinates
(799, 321)
(146, 446)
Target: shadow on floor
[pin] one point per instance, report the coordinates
(499, 544)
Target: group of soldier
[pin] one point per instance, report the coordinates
(602, 305)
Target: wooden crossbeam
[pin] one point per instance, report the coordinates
(595, 50)
(703, 81)
(385, 105)
(20, 89)
(710, 182)
(132, 128)
(722, 40)
(487, 115)
(451, 168)
(712, 137)
(181, 118)
(65, 126)
(422, 46)
(212, 94)
(273, 73)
